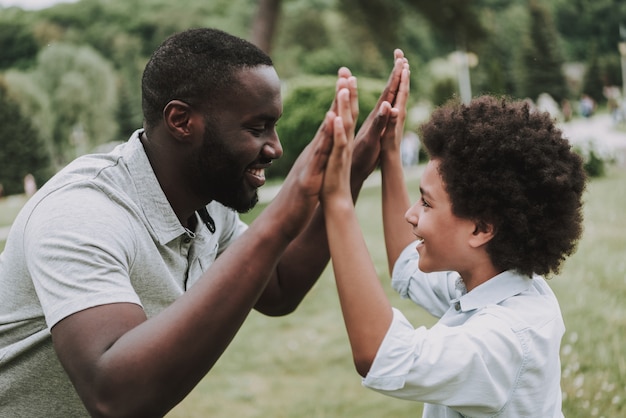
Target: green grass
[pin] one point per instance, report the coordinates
(300, 365)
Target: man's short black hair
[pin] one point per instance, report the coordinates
(192, 66)
(507, 165)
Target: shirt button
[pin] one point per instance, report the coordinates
(187, 240)
(457, 306)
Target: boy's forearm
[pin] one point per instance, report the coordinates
(395, 203)
(366, 309)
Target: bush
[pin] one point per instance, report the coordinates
(306, 102)
(22, 151)
(593, 163)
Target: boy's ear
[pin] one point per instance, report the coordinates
(178, 117)
(483, 233)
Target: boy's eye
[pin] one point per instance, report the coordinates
(424, 203)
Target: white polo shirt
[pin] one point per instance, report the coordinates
(101, 231)
(493, 353)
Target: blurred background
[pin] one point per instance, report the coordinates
(70, 70)
(70, 74)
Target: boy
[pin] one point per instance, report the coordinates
(501, 204)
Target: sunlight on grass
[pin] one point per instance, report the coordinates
(300, 365)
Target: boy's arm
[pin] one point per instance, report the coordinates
(395, 197)
(366, 310)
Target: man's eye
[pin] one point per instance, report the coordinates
(257, 131)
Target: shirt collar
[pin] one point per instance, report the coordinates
(495, 290)
(156, 208)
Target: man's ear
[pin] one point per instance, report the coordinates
(483, 233)
(178, 119)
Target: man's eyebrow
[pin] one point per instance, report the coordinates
(266, 117)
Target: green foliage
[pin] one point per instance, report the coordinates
(82, 89)
(497, 70)
(313, 37)
(593, 163)
(307, 101)
(541, 57)
(18, 45)
(583, 22)
(21, 152)
(592, 81)
(443, 90)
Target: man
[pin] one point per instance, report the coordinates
(95, 316)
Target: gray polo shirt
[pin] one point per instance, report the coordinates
(101, 231)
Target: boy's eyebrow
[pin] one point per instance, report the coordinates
(425, 193)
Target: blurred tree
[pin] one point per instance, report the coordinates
(541, 60)
(592, 81)
(584, 22)
(81, 86)
(307, 37)
(457, 20)
(264, 24)
(496, 71)
(21, 150)
(18, 47)
(34, 103)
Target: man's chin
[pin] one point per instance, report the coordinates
(243, 205)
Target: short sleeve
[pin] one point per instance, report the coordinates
(474, 366)
(431, 291)
(79, 253)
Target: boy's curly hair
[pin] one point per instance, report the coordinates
(506, 165)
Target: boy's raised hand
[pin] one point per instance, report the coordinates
(300, 192)
(393, 133)
(336, 185)
(368, 139)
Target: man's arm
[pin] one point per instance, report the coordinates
(307, 256)
(123, 364)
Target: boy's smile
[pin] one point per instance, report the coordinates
(442, 235)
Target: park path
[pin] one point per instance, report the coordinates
(598, 131)
(608, 139)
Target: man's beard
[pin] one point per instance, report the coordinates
(219, 175)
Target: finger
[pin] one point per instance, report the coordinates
(392, 124)
(340, 154)
(344, 110)
(381, 120)
(354, 100)
(344, 72)
(393, 83)
(340, 139)
(343, 81)
(315, 156)
(391, 88)
(403, 93)
(398, 54)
